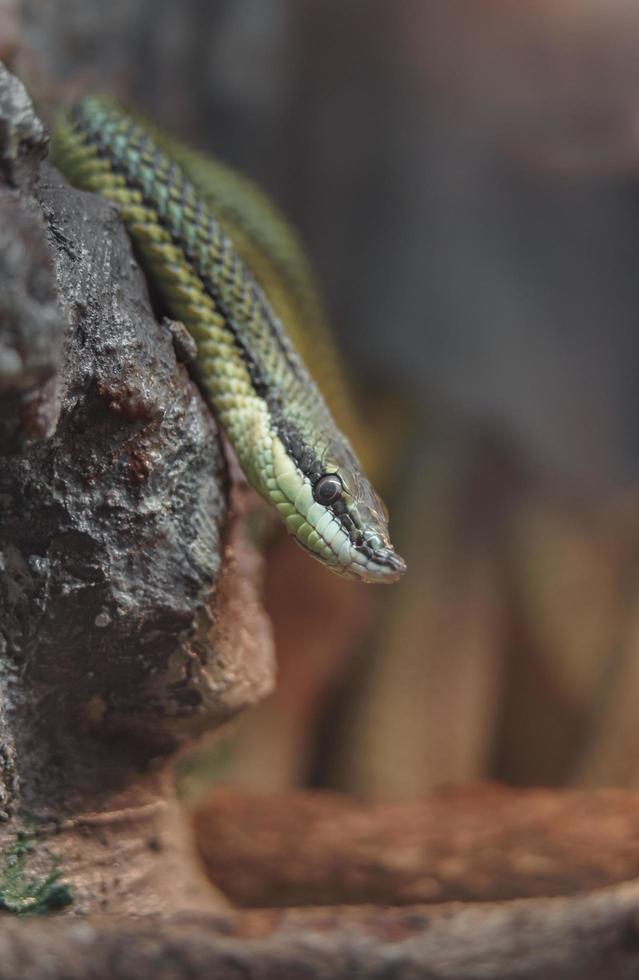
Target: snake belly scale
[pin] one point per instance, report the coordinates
(274, 415)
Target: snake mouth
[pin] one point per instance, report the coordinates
(384, 566)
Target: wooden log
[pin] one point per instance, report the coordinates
(474, 844)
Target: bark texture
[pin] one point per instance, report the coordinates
(129, 615)
(594, 937)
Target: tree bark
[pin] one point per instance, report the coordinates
(591, 937)
(129, 616)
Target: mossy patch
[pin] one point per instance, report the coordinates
(26, 894)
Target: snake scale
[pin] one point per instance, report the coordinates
(217, 271)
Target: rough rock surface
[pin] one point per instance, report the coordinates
(129, 615)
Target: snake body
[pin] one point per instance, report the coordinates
(273, 413)
(270, 248)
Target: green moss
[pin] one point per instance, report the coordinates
(25, 894)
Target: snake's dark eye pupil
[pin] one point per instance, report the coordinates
(328, 489)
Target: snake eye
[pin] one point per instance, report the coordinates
(328, 489)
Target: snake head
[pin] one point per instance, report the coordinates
(334, 514)
(365, 548)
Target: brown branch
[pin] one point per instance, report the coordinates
(478, 844)
(594, 937)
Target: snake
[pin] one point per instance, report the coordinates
(242, 287)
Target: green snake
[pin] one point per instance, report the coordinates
(226, 265)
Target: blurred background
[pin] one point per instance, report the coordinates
(466, 178)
